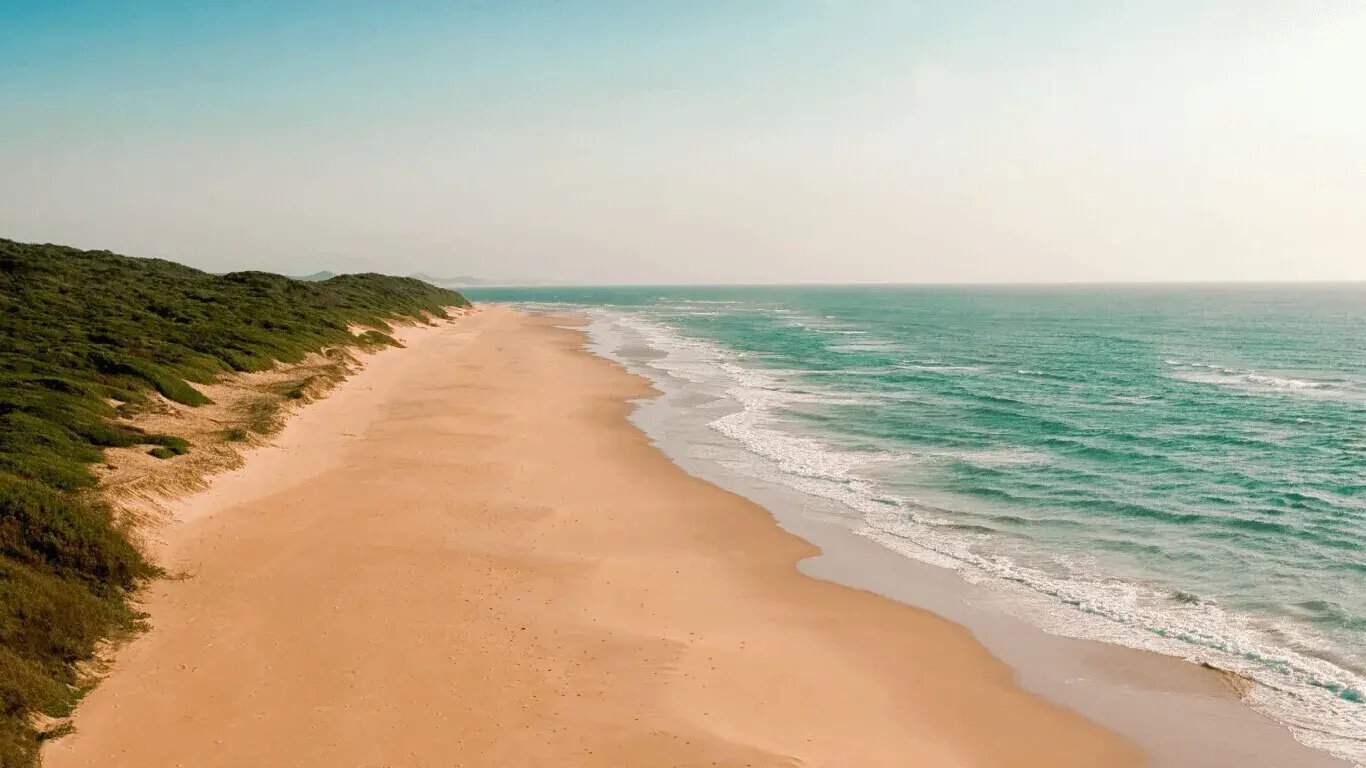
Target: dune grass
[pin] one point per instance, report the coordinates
(85, 336)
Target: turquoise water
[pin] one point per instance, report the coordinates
(1175, 468)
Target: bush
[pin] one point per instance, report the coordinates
(378, 339)
(176, 446)
(69, 535)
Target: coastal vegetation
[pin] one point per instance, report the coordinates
(88, 339)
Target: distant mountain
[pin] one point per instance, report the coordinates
(465, 281)
(457, 280)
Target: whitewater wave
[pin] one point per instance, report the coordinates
(940, 368)
(1321, 701)
(1262, 383)
(1005, 457)
(865, 346)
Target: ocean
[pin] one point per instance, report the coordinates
(1175, 468)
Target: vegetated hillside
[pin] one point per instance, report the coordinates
(85, 336)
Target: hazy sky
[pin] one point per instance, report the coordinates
(843, 140)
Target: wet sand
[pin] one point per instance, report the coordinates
(1179, 713)
(467, 555)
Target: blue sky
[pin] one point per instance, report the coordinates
(695, 141)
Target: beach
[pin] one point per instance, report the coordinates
(683, 384)
(1095, 464)
(467, 555)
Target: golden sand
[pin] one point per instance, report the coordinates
(466, 556)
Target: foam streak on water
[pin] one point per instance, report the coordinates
(1177, 470)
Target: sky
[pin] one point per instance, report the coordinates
(696, 142)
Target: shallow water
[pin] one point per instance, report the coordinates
(1179, 469)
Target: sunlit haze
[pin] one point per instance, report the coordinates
(722, 142)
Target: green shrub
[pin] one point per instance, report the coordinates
(177, 389)
(176, 446)
(377, 339)
(67, 534)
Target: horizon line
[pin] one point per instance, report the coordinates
(936, 284)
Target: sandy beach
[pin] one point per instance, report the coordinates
(467, 556)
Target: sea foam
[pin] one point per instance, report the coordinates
(1293, 680)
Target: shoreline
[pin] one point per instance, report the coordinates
(428, 535)
(1165, 704)
(471, 580)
